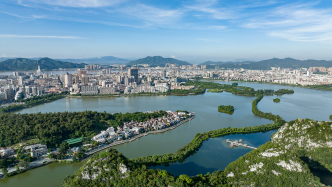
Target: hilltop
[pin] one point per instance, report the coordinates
(274, 62)
(157, 61)
(23, 64)
(111, 168)
(285, 160)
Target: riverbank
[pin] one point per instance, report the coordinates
(326, 87)
(138, 136)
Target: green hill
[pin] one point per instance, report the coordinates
(285, 160)
(275, 62)
(23, 64)
(157, 61)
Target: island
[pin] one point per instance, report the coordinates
(276, 100)
(330, 117)
(226, 109)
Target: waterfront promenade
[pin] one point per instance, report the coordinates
(136, 137)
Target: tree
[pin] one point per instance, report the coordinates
(4, 171)
(64, 148)
(23, 164)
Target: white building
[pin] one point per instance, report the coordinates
(68, 80)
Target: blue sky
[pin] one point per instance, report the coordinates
(192, 30)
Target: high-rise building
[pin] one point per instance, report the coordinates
(163, 74)
(68, 80)
(20, 80)
(85, 80)
(81, 72)
(38, 71)
(77, 79)
(45, 75)
(134, 73)
(34, 91)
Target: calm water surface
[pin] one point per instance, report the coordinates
(305, 103)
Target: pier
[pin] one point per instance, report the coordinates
(238, 143)
(136, 137)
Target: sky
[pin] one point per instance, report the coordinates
(190, 30)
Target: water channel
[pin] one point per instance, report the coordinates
(304, 103)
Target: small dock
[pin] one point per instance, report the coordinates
(238, 143)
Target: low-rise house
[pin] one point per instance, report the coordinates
(36, 150)
(6, 152)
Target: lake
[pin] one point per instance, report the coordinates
(304, 103)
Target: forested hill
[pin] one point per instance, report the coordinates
(23, 64)
(285, 161)
(158, 61)
(274, 62)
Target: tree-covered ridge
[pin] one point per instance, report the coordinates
(155, 61)
(111, 168)
(235, 89)
(274, 62)
(23, 64)
(311, 139)
(297, 145)
(226, 109)
(53, 128)
(270, 166)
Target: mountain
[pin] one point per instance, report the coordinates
(275, 62)
(157, 61)
(23, 64)
(105, 60)
(294, 148)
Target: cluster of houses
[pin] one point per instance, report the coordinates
(133, 128)
(36, 150)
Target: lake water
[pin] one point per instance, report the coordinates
(304, 103)
(215, 154)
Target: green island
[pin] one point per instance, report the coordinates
(330, 117)
(276, 100)
(229, 109)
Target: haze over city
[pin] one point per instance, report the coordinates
(189, 30)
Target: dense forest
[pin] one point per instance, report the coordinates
(111, 168)
(285, 161)
(53, 128)
(229, 109)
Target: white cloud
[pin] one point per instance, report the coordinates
(172, 56)
(37, 36)
(151, 14)
(300, 22)
(3, 55)
(79, 3)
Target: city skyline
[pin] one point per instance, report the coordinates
(193, 31)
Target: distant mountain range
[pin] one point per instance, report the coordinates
(105, 60)
(23, 64)
(157, 61)
(274, 62)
